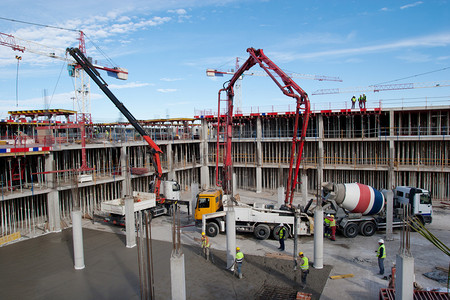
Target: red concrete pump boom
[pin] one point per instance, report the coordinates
(290, 89)
(154, 149)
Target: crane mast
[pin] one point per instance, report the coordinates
(225, 122)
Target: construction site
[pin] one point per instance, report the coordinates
(117, 210)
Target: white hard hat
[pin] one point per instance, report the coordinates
(328, 215)
(281, 224)
(381, 241)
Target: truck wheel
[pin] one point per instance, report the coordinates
(277, 229)
(351, 230)
(212, 229)
(367, 228)
(262, 232)
(417, 219)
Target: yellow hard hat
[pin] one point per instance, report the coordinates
(237, 248)
(300, 253)
(203, 233)
(332, 216)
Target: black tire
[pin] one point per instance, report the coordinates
(277, 229)
(351, 230)
(212, 229)
(417, 219)
(367, 228)
(262, 231)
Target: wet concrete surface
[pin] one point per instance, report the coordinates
(42, 268)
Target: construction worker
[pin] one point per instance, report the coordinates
(381, 255)
(364, 99)
(391, 284)
(360, 101)
(326, 223)
(238, 261)
(205, 245)
(304, 266)
(282, 236)
(353, 101)
(333, 227)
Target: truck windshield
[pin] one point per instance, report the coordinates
(203, 203)
(425, 199)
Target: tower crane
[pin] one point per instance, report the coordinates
(383, 87)
(82, 86)
(237, 88)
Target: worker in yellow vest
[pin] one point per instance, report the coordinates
(303, 261)
(239, 260)
(381, 254)
(353, 101)
(364, 100)
(205, 245)
(326, 223)
(333, 227)
(282, 234)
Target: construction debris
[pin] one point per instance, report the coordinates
(341, 276)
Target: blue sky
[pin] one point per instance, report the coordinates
(168, 45)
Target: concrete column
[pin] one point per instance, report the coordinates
(258, 179)
(391, 167)
(404, 279)
(177, 277)
(77, 235)
(171, 173)
(231, 237)
(126, 183)
(204, 153)
(320, 165)
(194, 193)
(318, 238)
(259, 160)
(318, 213)
(389, 195)
(304, 187)
(129, 222)
(281, 196)
(54, 216)
(234, 184)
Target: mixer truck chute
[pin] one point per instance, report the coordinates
(360, 208)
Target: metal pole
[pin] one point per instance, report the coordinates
(296, 219)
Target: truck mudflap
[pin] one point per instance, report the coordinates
(427, 218)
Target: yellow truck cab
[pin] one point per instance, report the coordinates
(208, 202)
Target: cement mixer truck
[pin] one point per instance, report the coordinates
(360, 208)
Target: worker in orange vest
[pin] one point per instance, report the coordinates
(333, 227)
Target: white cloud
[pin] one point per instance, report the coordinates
(414, 57)
(128, 85)
(166, 90)
(171, 79)
(411, 5)
(435, 40)
(179, 11)
(182, 14)
(53, 40)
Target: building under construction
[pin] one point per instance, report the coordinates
(45, 154)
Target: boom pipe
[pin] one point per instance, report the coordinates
(289, 88)
(95, 75)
